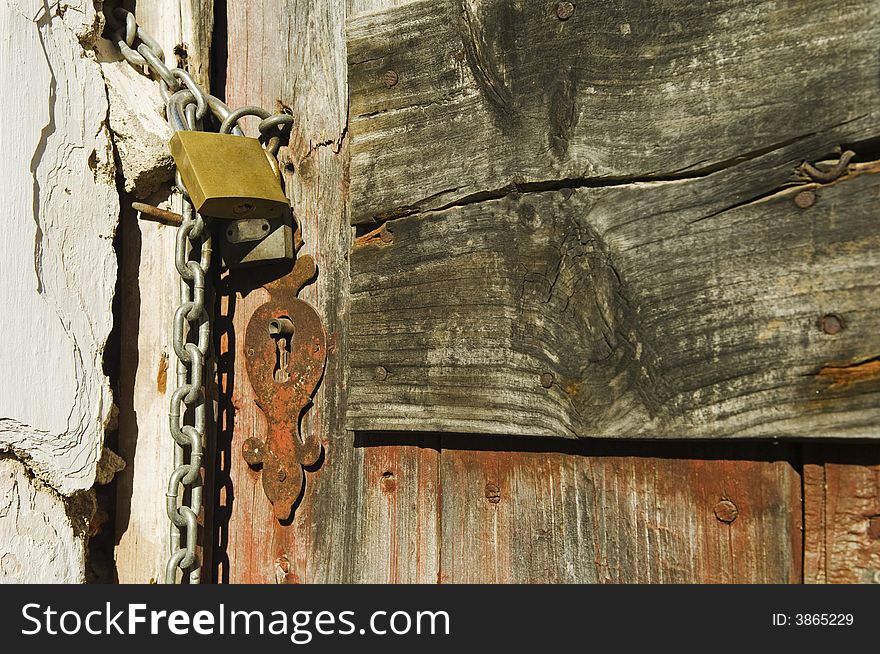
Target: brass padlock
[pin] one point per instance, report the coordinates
(228, 176)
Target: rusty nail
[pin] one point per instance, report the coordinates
(388, 482)
(282, 474)
(831, 324)
(385, 234)
(493, 493)
(390, 78)
(805, 199)
(380, 374)
(283, 564)
(157, 215)
(564, 10)
(826, 176)
(250, 351)
(726, 511)
(547, 380)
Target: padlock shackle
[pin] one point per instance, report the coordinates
(269, 121)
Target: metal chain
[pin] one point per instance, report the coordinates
(187, 106)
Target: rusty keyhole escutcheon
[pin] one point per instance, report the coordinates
(287, 352)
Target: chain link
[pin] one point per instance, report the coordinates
(187, 106)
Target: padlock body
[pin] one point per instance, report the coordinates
(228, 176)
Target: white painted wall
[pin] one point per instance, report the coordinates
(58, 212)
(38, 542)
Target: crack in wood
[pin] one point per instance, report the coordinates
(519, 186)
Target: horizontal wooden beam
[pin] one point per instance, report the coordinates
(716, 306)
(451, 103)
(588, 512)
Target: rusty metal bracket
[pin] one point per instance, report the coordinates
(286, 348)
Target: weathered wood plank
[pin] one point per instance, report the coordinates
(612, 513)
(507, 95)
(354, 523)
(57, 264)
(146, 383)
(689, 308)
(399, 532)
(842, 514)
(149, 288)
(357, 7)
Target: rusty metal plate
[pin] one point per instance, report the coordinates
(286, 348)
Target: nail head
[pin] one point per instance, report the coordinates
(390, 78)
(564, 10)
(831, 324)
(805, 199)
(726, 511)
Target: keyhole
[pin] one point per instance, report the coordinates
(281, 331)
(282, 359)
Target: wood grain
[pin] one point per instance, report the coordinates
(58, 270)
(679, 309)
(353, 523)
(617, 513)
(842, 514)
(148, 291)
(504, 94)
(425, 507)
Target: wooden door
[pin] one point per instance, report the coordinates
(589, 321)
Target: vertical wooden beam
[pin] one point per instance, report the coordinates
(58, 269)
(298, 67)
(355, 522)
(842, 514)
(148, 292)
(148, 297)
(400, 504)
